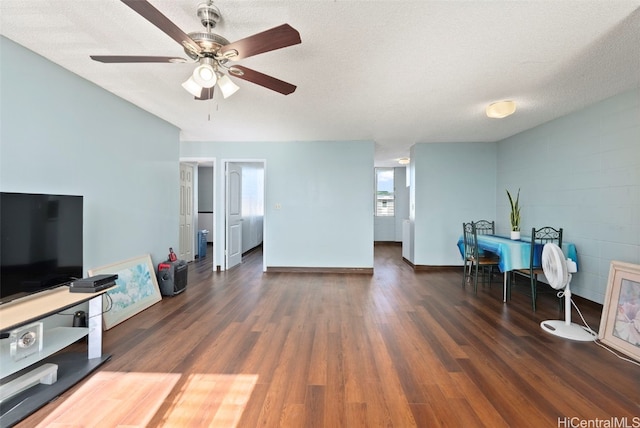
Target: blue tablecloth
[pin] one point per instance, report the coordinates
(515, 254)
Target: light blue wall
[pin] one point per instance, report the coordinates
(389, 229)
(452, 183)
(402, 200)
(325, 192)
(205, 188)
(582, 173)
(65, 135)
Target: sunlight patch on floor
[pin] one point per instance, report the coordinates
(132, 399)
(112, 399)
(211, 400)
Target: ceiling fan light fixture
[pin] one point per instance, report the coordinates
(501, 109)
(205, 76)
(192, 87)
(227, 87)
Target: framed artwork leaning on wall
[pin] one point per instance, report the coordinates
(136, 289)
(620, 322)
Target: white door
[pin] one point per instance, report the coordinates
(234, 214)
(185, 235)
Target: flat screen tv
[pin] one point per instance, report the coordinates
(40, 242)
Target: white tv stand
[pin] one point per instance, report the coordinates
(71, 366)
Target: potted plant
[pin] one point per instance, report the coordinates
(514, 216)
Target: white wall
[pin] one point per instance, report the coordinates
(324, 190)
(451, 183)
(68, 136)
(582, 173)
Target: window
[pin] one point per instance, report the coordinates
(385, 198)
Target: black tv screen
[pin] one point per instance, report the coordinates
(40, 242)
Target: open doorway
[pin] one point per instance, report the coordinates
(244, 208)
(200, 208)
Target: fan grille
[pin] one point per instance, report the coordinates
(554, 266)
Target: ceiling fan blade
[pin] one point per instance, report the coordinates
(206, 94)
(154, 16)
(127, 59)
(275, 38)
(262, 79)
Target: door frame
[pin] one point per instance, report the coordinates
(204, 161)
(224, 162)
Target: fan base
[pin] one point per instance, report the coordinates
(568, 331)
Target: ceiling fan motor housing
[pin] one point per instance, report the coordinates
(209, 14)
(210, 43)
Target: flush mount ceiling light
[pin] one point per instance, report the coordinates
(501, 109)
(404, 161)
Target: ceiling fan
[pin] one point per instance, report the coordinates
(213, 52)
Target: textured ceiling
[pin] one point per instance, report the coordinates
(395, 72)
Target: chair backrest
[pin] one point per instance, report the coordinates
(470, 240)
(485, 227)
(541, 236)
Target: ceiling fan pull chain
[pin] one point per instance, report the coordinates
(209, 114)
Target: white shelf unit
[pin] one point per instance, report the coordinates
(72, 366)
(54, 339)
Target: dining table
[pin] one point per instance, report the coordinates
(514, 254)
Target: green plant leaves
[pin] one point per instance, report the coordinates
(514, 217)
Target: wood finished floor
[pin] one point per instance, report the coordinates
(397, 349)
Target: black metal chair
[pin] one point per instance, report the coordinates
(539, 237)
(485, 227)
(473, 259)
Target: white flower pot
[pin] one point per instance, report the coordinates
(515, 234)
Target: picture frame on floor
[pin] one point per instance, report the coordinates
(620, 321)
(136, 289)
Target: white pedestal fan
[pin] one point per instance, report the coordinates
(558, 272)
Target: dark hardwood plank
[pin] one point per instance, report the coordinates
(397, 348)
